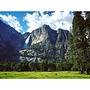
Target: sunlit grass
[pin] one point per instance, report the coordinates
(42, 75)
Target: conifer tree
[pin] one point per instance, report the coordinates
(87, 28)
(70, 54)
(79, 40)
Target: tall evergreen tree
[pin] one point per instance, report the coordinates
(87, 28)
(71, 54)
(79, 40)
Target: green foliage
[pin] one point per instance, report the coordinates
(71, 54)
(80, 41)
(78, 49)
(23, 66)
(7, 66)
(35, 47)
(44, 65)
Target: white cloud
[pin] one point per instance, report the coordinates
(57, 20)
(33, 21)
(12, 21)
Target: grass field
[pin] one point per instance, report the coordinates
(43, 75)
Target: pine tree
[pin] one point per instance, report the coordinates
(79, 40)
(71, 54)
(87, 28)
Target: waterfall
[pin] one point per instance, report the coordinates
(26, 42)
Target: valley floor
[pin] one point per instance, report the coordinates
(43, 75)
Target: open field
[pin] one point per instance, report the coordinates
(43, 75)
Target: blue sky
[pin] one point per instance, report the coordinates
(27, 21)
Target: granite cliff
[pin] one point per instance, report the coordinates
(46, 43)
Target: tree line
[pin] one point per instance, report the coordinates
(37, 66)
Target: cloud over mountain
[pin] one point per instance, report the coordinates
(57, 19)
(27, 21)
(12, 21)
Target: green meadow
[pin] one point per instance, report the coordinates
(43, 75)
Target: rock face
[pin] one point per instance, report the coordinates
(44, 34)
(46, 43)
(61, 43)
(10, 43)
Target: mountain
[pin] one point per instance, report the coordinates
(43, 34)
(11, 42)
(46, 43)
(42, 43)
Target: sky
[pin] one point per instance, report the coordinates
(27, 21)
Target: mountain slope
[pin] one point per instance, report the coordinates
(10, 43)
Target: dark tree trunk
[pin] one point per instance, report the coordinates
(82, 70)
(87, 71)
